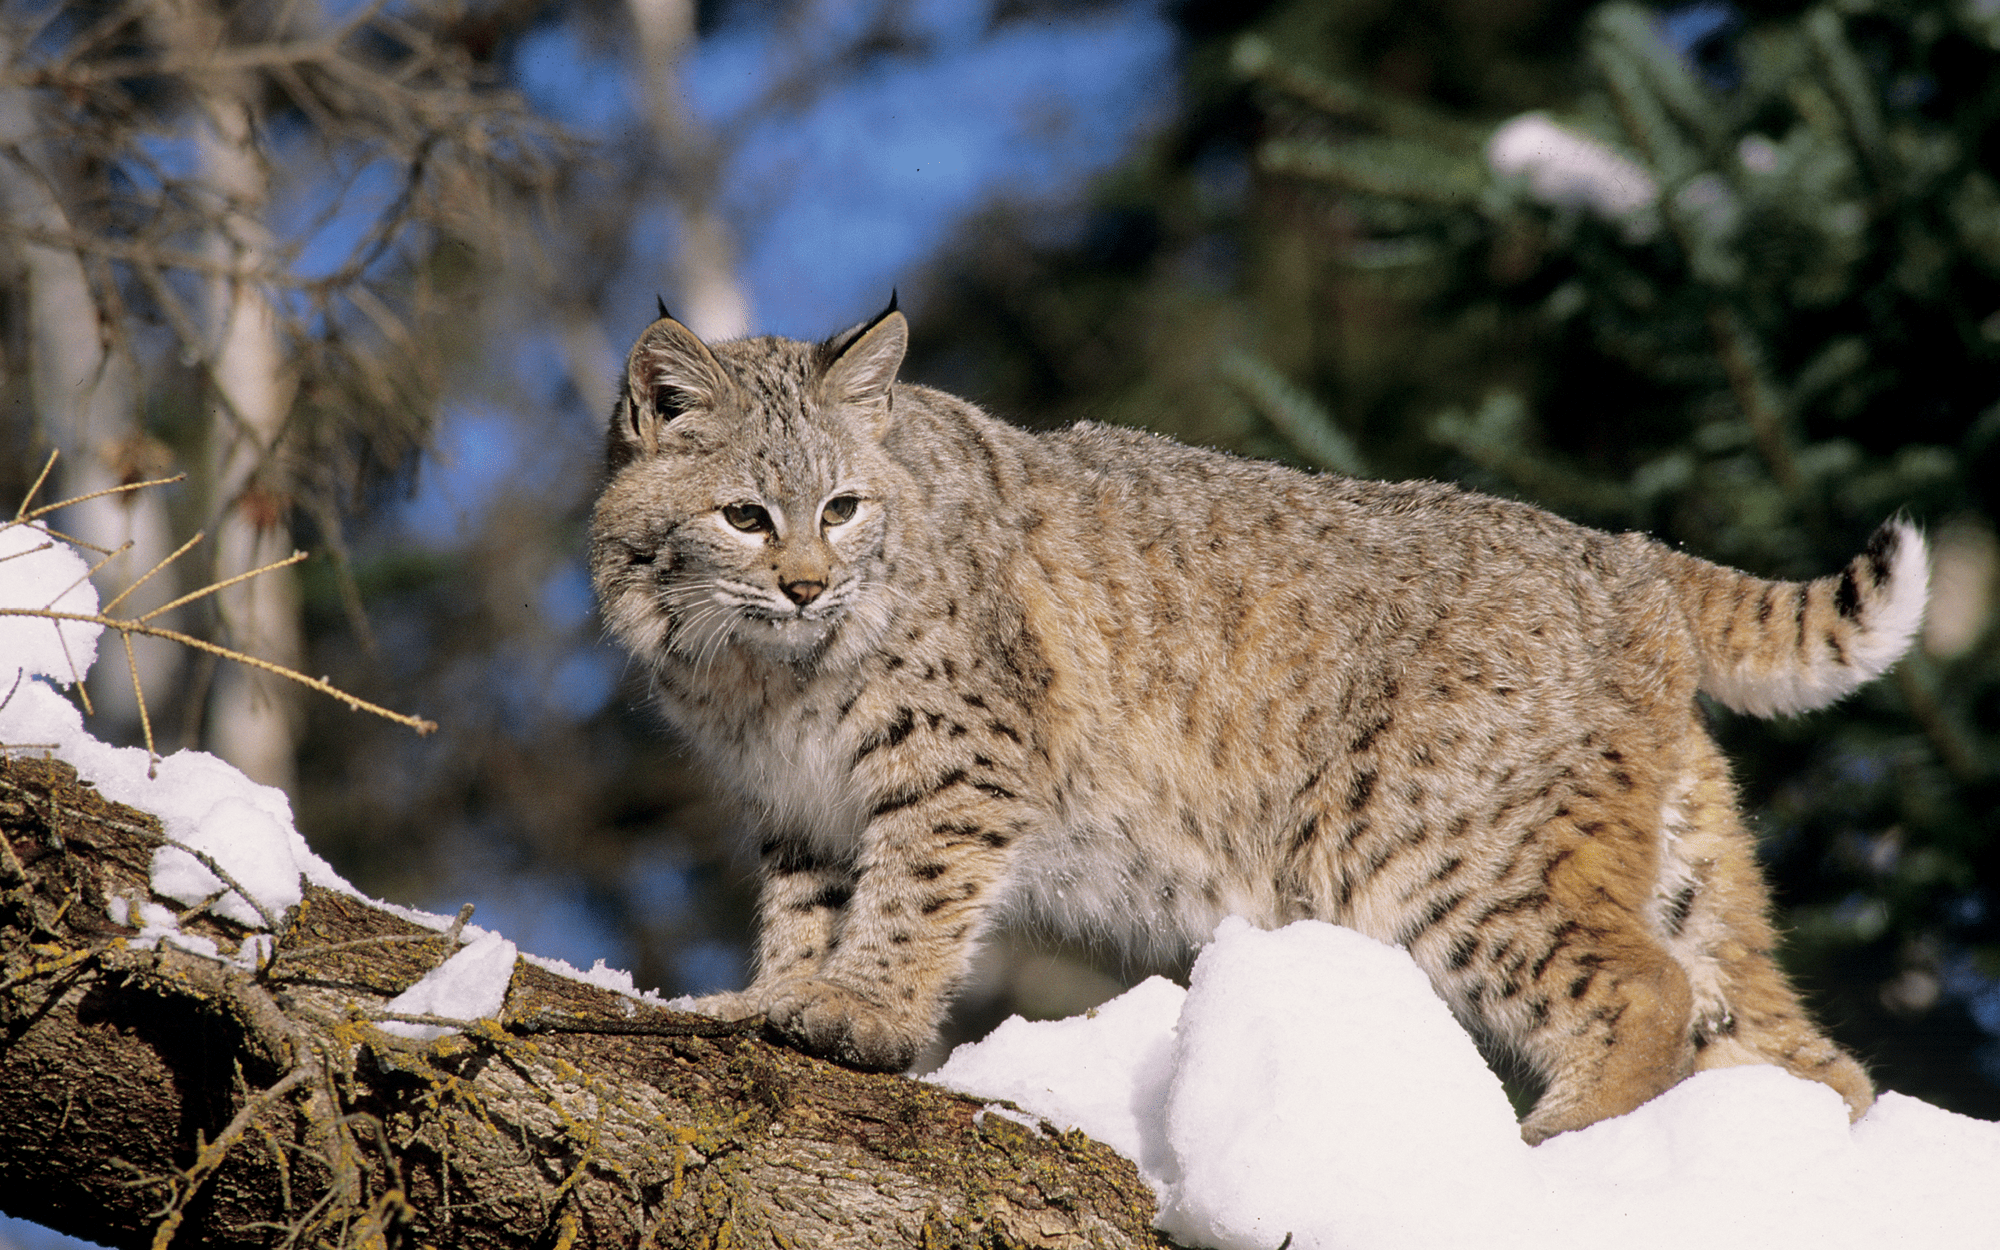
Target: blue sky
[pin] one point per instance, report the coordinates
(836, 202)
(833, 203)
(844, 201)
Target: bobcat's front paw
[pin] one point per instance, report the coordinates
(845, 1025)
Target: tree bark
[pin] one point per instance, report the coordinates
(154, 1096)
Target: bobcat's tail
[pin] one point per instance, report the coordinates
(1780, 647)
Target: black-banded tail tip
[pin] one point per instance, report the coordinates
(1898, 555)
(1849, 628)
(1880, 596)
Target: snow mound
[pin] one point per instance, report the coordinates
(216, 817)
(1105, 1072)
(1310, 1084)
(202, 802)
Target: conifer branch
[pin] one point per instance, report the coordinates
(1487, 440)
(1757, 394)
(1254, 58)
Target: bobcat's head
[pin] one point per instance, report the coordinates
(750, 501)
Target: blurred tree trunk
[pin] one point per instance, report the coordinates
(684, 176)
(253, 717)
(150, 1096)
(85, 400)
(710, 299)
(138, 174)
(707, 294)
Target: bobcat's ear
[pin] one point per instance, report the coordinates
(670, 373)
(861, 363)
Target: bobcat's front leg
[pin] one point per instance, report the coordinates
(932, 858)
(798, 917)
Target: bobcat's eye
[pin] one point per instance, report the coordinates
(747, 517)
(839, 510)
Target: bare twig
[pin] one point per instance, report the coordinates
(139, 694)
(48, 466)
(142, 625)
(289, 954)
(457, 926)
(121, 488)
(676, 1024)
(224, 584)
(332, 691)
(180, 551)
(95, 495)
(424, 1018)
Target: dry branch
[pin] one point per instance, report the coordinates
(106, 90)
(157, 1096)
(142, 624)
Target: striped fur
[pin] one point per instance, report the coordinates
(1132, 687)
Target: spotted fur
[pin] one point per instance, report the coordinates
(1135, 687)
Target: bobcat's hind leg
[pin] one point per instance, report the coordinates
(1617, 1038)
(1562, 964)
(1713, 917)
(1767, 1025)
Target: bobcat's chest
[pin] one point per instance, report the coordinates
(800, 773)
(782, 753)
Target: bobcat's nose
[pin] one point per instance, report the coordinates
(803, 592)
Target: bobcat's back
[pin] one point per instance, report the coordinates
(1135, 687)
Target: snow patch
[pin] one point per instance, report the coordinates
(471, 985)
(205, 806)
(40, 572)
(1310, 1084)
(1571, 169)
(1104, 1072)
(201, 801)
(249, 844)
(1001, 1111)
(603, 976)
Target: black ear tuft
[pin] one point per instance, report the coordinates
(875, 320)
(665, 315)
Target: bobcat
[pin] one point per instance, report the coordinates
(1135, 687)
